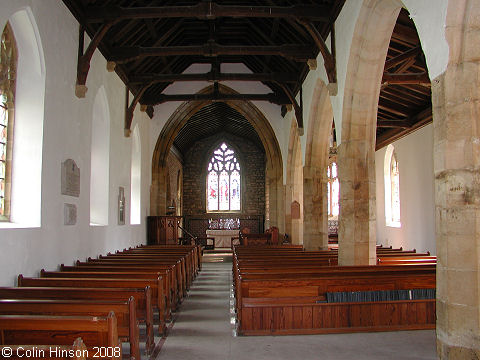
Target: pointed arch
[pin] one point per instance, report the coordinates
(8, 80)
(274, 170)
(392, 188)
(26, 204)
(315, 170)
(136, 177)
(356, 153)
(294, 187)
(100, 159)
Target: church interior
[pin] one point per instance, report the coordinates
(237, 179)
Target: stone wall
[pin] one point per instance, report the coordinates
(252, 162)
(174, 182)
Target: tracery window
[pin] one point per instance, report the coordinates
(223, 180)
(8, 66)
(333, 192)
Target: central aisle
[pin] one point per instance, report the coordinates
(203, 331)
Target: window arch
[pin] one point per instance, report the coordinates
(100, 160)
(136, 178)
(333, 185)
(392, 188)
(223, 180)
(8, 71)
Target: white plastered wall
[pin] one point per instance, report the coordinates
(67, 134)
(417, 199)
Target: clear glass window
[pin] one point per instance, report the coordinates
(333, 190)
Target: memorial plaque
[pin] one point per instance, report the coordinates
(121, 206)
(295, 210)
(69, 214)
(70, 178)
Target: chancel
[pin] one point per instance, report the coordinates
(178, 178)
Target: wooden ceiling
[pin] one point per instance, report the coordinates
(152, 42)
(212, 119)
(405, 96)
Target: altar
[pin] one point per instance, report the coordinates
(223, 238)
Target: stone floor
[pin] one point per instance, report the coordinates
(204, 329)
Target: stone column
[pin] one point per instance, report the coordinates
(456, 99)
(357, 219)
(288, 212)
(315, 213)
(456, 110)
(274, 201)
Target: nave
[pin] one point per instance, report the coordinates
(204, 329)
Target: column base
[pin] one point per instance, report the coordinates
(451, 352)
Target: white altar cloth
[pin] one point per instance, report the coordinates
(223, 238)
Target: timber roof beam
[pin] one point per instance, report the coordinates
(213, 76)
(299, 53)
(270, 97)
(207, 11)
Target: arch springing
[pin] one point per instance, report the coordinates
(223, 180)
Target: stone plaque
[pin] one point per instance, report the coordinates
(70, 178)
(295, 210)
(69, 214)
(121, 206)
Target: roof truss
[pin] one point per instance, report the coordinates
(150, 43)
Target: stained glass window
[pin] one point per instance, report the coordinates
(8, 65)
(333, 190)
(223, 180)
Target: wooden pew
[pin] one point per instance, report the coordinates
(96, 332)
(154, 284)
(194, 251)
(78, 351)
(133, 266)
(125, 313)
(173, 282)
(118, 275)
(143, 300)
(151, 263)
(192, 255)
(407, 260)
(266, 280)
(182, 269)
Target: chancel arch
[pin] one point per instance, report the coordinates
(273, 162)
